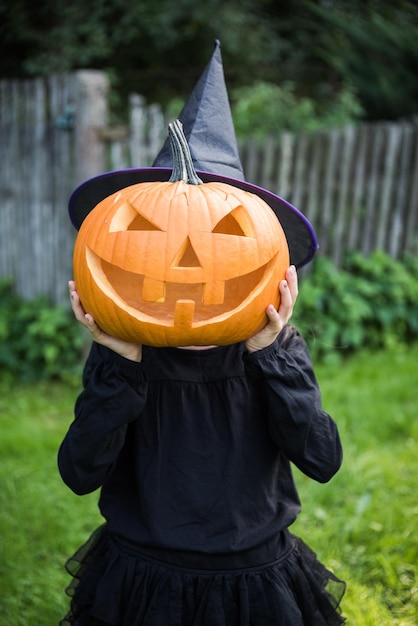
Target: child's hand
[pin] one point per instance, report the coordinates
(130, 351)
(277, 319)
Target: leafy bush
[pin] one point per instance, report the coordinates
(37, 340)
(263, 109)
(372, 303)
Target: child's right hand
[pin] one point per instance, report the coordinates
(130, 351)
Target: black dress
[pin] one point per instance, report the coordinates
(192, 451)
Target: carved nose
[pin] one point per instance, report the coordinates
(187, 256)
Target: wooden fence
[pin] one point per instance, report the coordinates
(358, 185)
(43, 155)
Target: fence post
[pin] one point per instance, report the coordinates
(91, 97)
(137, 130)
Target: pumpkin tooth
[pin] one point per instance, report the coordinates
(183, 313)
(153, 290)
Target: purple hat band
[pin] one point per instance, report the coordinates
(300, 235)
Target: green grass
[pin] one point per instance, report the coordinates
(363, 524)
(41, 521)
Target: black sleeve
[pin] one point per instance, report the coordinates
(114, 394)
(298, 424)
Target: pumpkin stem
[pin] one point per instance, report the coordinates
(183, 168)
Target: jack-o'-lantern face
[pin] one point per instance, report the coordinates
(181, 262)
(178, 264)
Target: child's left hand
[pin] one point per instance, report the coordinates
(277, 319)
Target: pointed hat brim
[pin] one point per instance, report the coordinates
(209, 130)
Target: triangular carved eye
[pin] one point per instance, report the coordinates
(142, 223)
(128, 218)
(237, 223)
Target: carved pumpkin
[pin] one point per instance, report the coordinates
(179, 263)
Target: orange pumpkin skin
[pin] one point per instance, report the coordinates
(174, 264)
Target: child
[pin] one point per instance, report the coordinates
(192, 450)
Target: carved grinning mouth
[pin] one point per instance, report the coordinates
(191, 303)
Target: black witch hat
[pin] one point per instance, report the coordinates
(209, 130)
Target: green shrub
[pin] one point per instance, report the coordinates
(372, 303)
(37, 340)
(264, 109)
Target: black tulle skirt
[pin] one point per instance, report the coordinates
(114, 585)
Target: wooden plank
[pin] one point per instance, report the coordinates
(330, 176)
(267, 163)
(26, 269)
(314, 201)
(137, 123)
(411, 236)
(298, 190)
(394, 134)
(61, 165)
(8, 177)
(377, 151)
(397, 215)
(343, 193)
(285, 165)
(359, 188)
(157, 132)
(251, 160)
(91, 105)
(118, 158)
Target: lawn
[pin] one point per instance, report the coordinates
(363, 524)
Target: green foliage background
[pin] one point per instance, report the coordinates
(370, 304)
(264, 109)
(159, 49)
(37, 340)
